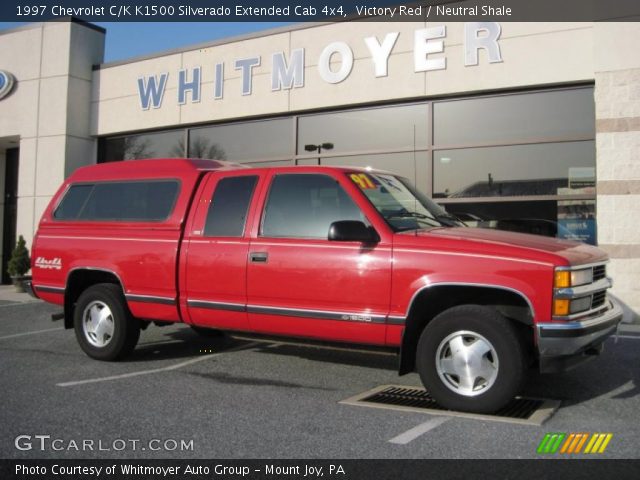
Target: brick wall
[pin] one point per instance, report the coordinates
(617, 97)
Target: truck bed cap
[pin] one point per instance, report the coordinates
(157, 167)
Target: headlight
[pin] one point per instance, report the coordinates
(581, 277)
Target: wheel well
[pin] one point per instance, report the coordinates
(78, 282)
(433, 300)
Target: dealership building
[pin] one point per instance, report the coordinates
(524, 126)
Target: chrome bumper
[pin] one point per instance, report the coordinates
(575, 337)
(28, 287)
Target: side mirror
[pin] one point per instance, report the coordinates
(352, 231)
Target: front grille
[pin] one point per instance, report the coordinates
(598, 299)
(599, 272)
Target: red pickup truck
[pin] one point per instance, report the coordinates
(339, 254)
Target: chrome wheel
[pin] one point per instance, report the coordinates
(467, 363)
(98, 324)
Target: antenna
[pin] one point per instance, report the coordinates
(415, 175)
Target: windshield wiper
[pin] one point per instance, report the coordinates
(449, 219)
(407, 213)
(419, 216)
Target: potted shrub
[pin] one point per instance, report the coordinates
(19, 264)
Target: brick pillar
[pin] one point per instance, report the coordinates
(617, 97)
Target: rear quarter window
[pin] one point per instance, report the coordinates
(136, 201)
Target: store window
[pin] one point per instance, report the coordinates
(521, 162)
(528, 117)
(535, 148)
(149, 145)
(410, 165)
(568, 219)
(515, 170)
(364, 130)
(241, 142)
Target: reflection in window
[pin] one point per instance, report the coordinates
(368, 129)
(149, 145)
(538, 169)
(305, 206)
(557, 114)
(272, 163)
(408, 165)
(243, 141)
(572, 220)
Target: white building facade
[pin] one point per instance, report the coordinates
(523, 126)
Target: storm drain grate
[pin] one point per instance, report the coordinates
(523, 410)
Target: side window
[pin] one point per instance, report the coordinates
(305, 205)
(146, 201)
(73, 201)
(229, 207)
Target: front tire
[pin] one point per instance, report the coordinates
(104, 327)
(470, 359)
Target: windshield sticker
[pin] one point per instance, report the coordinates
(362, 180)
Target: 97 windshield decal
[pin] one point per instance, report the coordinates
(371, 182)
(363, 181)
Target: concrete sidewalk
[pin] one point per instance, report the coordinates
(8, 295)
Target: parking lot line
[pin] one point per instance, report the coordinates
(16, 304)
(136, 374)
(632, 337)
(154, 370)
(30, 333)
(421, 429)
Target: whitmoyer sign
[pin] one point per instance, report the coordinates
(334, 64)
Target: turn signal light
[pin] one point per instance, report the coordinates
(560, 307)
(562, 279)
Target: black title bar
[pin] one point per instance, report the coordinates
(318, 469)
(319, 10)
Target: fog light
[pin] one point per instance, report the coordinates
(580, 304)
(561, 307)
(562, 279)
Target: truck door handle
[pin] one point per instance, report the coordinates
(258, 257)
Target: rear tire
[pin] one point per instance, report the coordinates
(470, 358)
(105, 329)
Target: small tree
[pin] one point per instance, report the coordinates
(19, 263)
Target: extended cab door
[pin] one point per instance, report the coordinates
(215, 248)
(302, 284)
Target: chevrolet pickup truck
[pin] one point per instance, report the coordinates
(336, 254)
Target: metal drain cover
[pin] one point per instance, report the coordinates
(522, 410)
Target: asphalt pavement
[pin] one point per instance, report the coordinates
(184, 396)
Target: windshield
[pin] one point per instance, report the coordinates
(401, 205)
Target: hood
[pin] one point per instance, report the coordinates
(503, 243)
